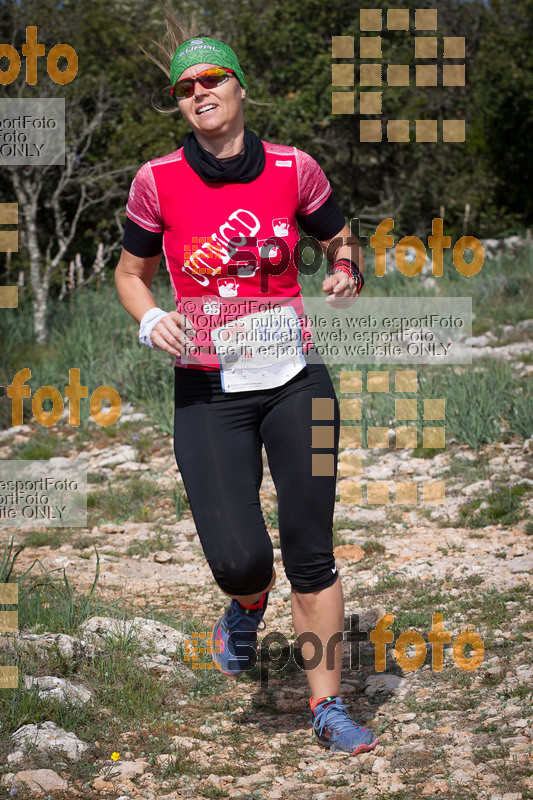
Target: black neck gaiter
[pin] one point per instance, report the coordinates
(237, 170)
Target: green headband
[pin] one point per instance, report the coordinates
(204, 51)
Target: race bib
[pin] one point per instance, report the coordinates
(259, 351)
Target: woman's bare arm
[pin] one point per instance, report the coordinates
(133, 278)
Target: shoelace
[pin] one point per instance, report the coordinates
(238, 621)
(334, 715)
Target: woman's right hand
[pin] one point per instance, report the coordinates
(172, 333)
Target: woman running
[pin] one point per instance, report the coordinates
(224, 208)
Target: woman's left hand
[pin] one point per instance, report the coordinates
(341, 290)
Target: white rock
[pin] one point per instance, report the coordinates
(69, 647)
(521, 563)
(477, 341)
(124, 770)
(474, 488)
(368, 618)
(13, 430)
(163, 557)
(365, 514)
(136, 417)
(382, 683)
(110, 527)
(185, 742)
(460, 775)
(62, 689)
(115, 455)
(148, 632)
(410, 730)
(161, 665)
(187, 528)
(131, 466)
(35, 780)
(47, 736)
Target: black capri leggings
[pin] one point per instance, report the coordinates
(218, 440)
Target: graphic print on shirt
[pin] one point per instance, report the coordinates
(280, 226)
(211, 304)
(227, 287)
(269, 249)
(214, 252)
(247, 269)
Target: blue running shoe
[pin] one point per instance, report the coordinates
(335, 730)
(234, 640)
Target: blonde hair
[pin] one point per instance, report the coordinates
(177, 32)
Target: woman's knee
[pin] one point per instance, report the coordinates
(244, 577)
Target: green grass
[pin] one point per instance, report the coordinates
(125, 695)
(484, 403)
(136, 500)
(47, 538)
(146, 546)
(490, 607)
(41, 447)
(504, 505)
(373, 548)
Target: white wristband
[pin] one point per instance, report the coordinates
(148, 323)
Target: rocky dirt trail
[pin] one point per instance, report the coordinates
(454, 733)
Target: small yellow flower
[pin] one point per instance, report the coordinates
(115, 756)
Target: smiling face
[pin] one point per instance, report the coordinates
(213, 113)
